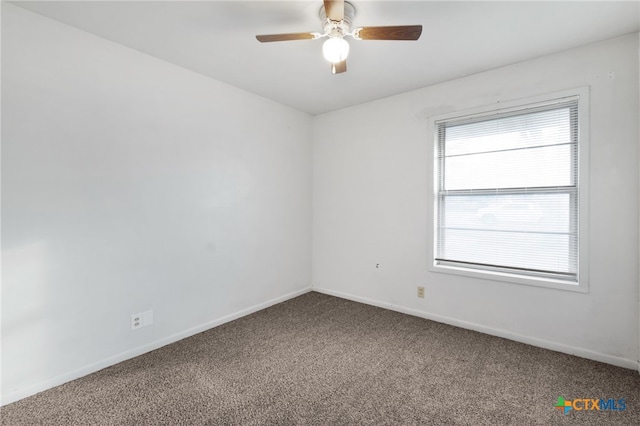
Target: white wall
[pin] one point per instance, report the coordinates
(372, 181)
(131, 184)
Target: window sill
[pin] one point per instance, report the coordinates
(512, 278)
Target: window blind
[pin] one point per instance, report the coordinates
(507, 191)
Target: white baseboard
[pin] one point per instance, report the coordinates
(92, 368)
(533, 341)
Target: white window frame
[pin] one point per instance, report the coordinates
(582, 285)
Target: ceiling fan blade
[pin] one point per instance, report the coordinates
(339, 67)
(402, 32)
(285, 37)
(334, 9)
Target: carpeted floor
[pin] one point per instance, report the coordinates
(321, 360)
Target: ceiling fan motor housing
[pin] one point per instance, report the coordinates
(338, 28)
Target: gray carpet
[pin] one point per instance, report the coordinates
(320, 360)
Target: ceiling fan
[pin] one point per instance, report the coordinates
(336, 17)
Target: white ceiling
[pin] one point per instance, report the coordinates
(216, 38)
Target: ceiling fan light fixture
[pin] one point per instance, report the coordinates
(336, 17)
(335, 49)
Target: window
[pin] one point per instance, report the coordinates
(508, 192)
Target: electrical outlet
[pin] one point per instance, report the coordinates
(421, 292)
(136, 321)
(143, 319)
